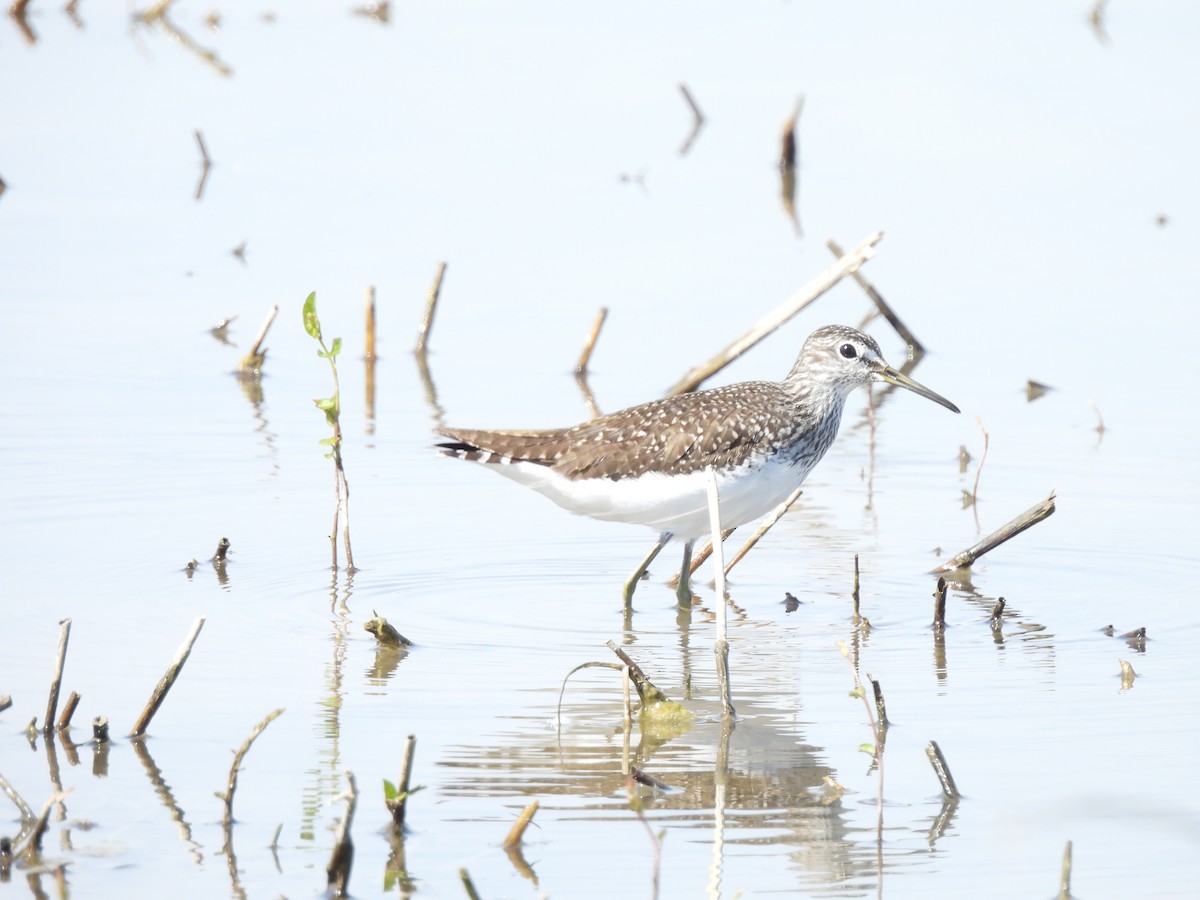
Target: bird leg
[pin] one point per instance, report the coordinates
(631, 585)
(684, 590)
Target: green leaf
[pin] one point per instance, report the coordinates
(311, 323)
(329, 404)
(337, 347)
(390, 791)
(868, 749)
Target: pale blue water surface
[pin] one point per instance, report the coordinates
(1019, 167)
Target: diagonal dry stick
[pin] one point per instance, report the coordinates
(782, 313)
(1027, 519)
(167, 681)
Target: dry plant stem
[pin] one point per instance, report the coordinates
(338, 871)
(1064, 878)
(18, 801)
(227, 816)
(941, 769)
(205, 159)
(256, 347)
(5, 701)
(880, 706)
(589, 343)
(1027, 519)
(517, 833)
(33, 845)
(854, 592)
(787, 149)
(982, 459)
(64, 721)
(167, 681)
(369, 353)
(916, 348)
(431, 300)
(465, 878)
(60, 660)
(939, 604)
(781, 314)
(721, 646)
(763, 529)
(100, 729)
(398, 806)
(647, 691)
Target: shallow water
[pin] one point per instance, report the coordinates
(1017, 165)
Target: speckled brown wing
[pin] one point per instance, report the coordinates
(676, 435)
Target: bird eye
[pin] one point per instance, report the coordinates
(848, 351)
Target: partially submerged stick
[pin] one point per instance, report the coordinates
(397, 802)
(939, 605)
(589, 343)
(369, 352)
(1064, 877)
(60, 660)
(941, 769)
(763, 529)
(916, 348)
(431, 300)
(167, 681)
(253, 361)
(1027, 519)
(337, 872)
(781, 314)
(64, 721)
(517, 832)
(227, 797)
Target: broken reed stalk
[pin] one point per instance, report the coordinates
(763, 529)
(1027, 519)
(997, 618)
(5, 701)
(854, 591)
(810, 292)
(1064, 877)
(397, 805)
(167, 681)
(337, 872)
(465, 877)
(941, 769)
(227, 816)
(915, 347)
(589, 343)
(939, 604)
(517, 833)
(721, 645)
(431, 300)
(253, 361)
(60, 661)
(647, 691)
(64, 721)
(880, 706)
(369, 352)
(223, 546)
(100, 729)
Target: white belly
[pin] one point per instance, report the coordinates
(677, 504)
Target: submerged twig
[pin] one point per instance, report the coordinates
(167, 681)
(60, 660)
(915, 347)
(1025, 520)
(781, 314)
(431, 300)
(227, 797)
